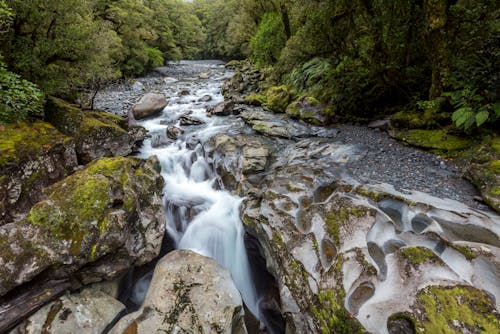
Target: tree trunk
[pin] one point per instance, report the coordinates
(435, 12)
(286, 21)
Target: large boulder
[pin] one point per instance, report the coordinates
(96, 134)
(32, 157)
(308, 109)
(92, 225)
(89, 311)
(189, 293)
(277, 99)
(149, 105)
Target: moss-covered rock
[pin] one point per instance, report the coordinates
(112, 207)
(97, 134)
(449, 310)
(277, 99)
(254, 99)
(307, 109)
(436, 140)
(430, 115)
(32, 156)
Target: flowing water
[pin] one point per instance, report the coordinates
(200, 216)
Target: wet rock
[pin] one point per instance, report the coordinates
(160, 139)
(190, 120)
(188, 293)
(184, 92)
(32, 157)
(204, 75)
(87, 312)
(205, 98)
(174, 132)
(96, 134)
(92, 225)
(221, 109)
(149, 105)
(381, 124)
(137, 87)
(486, 177)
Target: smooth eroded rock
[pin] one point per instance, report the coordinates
(189, 293)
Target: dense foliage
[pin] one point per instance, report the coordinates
(370, 58)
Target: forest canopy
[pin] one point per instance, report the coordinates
(365, 59)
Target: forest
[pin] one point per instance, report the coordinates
(434, 62)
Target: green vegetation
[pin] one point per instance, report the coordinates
(418, 255)
(451, 309)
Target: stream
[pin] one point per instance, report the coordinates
(201, 216)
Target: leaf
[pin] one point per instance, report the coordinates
(463, 117)
(482, 117)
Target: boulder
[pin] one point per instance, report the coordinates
(149, 105)
(160, 139)
(174, 132)
(277, 99)
(32, 157)
(221, 109)
(87, 312)
(205, 98)
(92, 225)
(308, 109)
(189, 293)
(187, 120)
(96, 134)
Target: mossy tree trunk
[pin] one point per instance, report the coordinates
(435, 13)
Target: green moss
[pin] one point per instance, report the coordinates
(278, 240)
(495, 166)
(495, 144)
(443, 308)
(63, 116)
(25, 141)
(339, 217)
(433, 139)
(418, 255)
(108, 118)
(255, 99)
(277, 98)
(332, 316)
(465, 251)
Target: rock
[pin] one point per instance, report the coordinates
(174, 132)
(205, 98)
(149, 105)
(190, 120)
(431, 139)
(184, 92)
(234, 87)
(103, 220)
(221, 109)
(462, 309)
(308, 109)
(32, 157)
(334, 246)
(254, 99)
(204, 75)
(96, 134)
(381, 124)
(277, 99)
(237, 157)
(486, 177)
(189, 293)
(87, 312)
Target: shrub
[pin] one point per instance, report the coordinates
(19, 99)
(268, 41)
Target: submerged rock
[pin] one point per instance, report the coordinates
(87, 312)
(187, 120)
(189, 293)
(32, 157)
(221, 109)
(149, 105)
(92, 225)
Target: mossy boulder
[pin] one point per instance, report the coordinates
(434, 140)
(449, 310)
(112, 207)
(32, 157)
(431, 114)
(307, 109)
(277, 99)
(96, 134)
(255, 99)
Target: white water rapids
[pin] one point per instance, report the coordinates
(199, 216)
